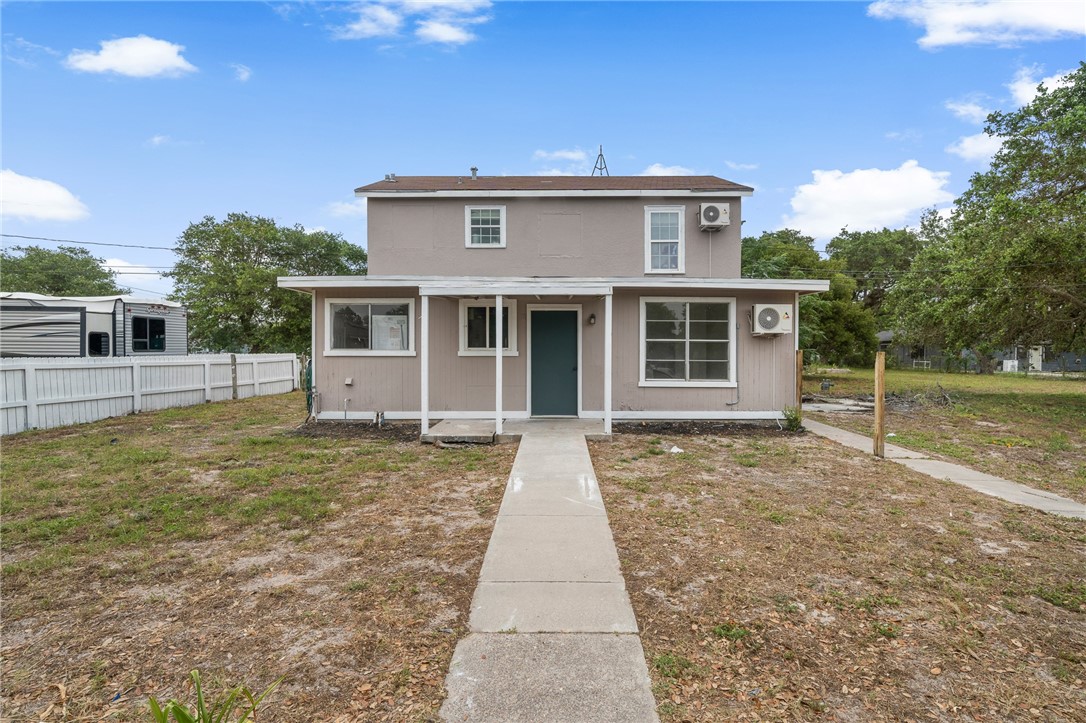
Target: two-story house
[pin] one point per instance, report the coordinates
(615, 298)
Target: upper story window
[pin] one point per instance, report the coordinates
(664, 240)
(378, 327)
(479, 327)
(484, 227)
(148, 333)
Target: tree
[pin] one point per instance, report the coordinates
(874, 259)
(1010, 267)
(226, 277)
(67, 271)
(782, 254)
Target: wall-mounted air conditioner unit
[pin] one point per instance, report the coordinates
(713, 216)
(771, 319)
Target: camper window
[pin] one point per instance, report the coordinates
(98, 343)
(148, 334)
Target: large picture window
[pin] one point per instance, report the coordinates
(148, 333)
(380, 327)
(479, 328)
(687, 342)
(484, 226)
(664, 240)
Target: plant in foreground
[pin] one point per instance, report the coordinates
(237, 705)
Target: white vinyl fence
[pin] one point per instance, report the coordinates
(40, 393)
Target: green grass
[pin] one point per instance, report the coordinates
(731, 631)
(670, 665)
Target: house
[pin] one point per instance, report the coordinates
(33, 325)
(612, 298)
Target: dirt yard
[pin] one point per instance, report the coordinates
(781, 577)
(220, 538)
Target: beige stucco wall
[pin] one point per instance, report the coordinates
(765, 365)
(545, 237)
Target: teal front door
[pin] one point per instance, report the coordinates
(554, 362)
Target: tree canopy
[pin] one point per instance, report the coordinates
(1010, 265)
(874, 259)
(226, 276)
(66, 271)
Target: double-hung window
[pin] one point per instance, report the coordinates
(484, 227)
(479, 327)
(379, 327)
(148, 333)
(687, 342)
(664, 240)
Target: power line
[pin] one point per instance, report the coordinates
(87, 243)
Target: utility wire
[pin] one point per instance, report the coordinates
(87, 243)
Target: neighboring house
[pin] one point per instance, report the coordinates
(1012, 359)
(33, 325)
(533, 296)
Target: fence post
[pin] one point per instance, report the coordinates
(256, 378)
(880, 403)
(233, 376)
(799, 380)
(207, 380)
(137, 386)
(30, 393)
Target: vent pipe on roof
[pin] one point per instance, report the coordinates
(475, 173)
(392, 177)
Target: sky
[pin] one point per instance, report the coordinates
(122, 123)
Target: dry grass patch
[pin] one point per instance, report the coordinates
(219, 538)
(783, 577)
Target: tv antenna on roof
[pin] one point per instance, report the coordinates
(601, 164)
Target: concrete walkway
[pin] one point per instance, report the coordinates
(979, 481)
(552, 633)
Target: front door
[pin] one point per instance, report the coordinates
(554, 362)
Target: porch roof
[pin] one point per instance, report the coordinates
(541, 286)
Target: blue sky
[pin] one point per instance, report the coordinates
(124, 122)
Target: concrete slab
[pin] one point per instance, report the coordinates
(971, 478)
(552, 607)
(569, 495)
(541, 678)
(551, 549)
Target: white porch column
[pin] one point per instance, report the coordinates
(607, 326)
(424, 365)
(499, 319)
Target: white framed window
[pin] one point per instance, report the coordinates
(369, 327)
(478, 327)
(484, 227)
(687, 342)
(665, 239)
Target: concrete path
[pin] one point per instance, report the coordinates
(979, 481)
(552, 633)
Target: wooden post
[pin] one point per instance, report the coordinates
(233, 376)
(880, 406)
(799, 380)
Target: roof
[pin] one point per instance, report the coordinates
(541, 285)
(93, 303)
(555, 185)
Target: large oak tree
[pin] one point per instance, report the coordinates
(66, 271)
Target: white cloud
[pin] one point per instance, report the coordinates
(140, 278)
(435, 21)
(909, 135)
(25, 53)
(575, 154)
(347, 209)
(969, 111)
(36, 199)
(976, 22)
(978, 147)
(138, 57)
(242, 72)
(659, 169)
(741, 166)
(1024, 86)
(867, 198)
(156, 141)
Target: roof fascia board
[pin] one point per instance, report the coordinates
(531, 285)
(617, 193)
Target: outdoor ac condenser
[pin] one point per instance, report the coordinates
(771, 319)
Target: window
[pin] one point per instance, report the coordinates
(148, 333)
(479, 326)
(98, 343)
(664, 234)
(484, 227)
(687, 342)
(381, 327)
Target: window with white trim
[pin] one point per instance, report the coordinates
(479, 327)
(484, 227)
(665, 239)
(687, 342)
(376, 326)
